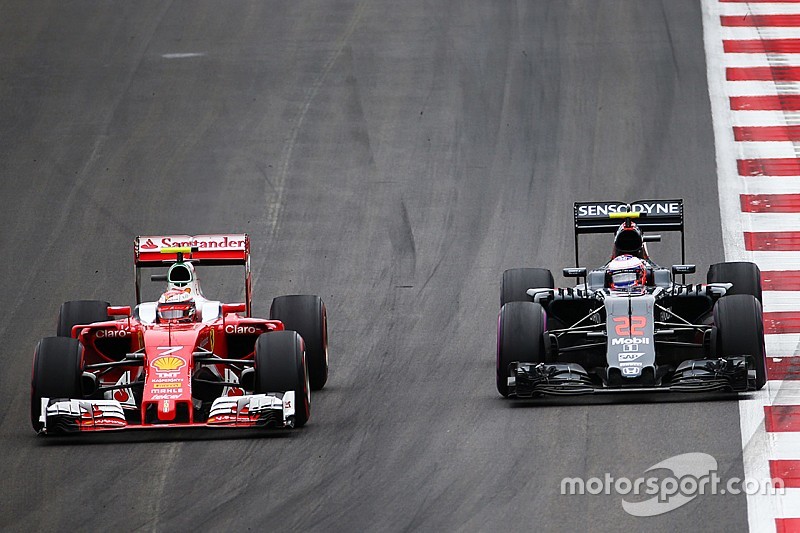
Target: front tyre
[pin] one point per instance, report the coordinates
(517, 281)
(57, 371)
(280, 366)
(306, 314)
(80, 312)
(520, 338)
(745, 276)
(740, 331)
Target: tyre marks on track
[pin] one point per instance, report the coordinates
(275, 193)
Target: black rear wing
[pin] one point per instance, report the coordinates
(649, 215)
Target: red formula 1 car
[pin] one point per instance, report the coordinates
(184, 360)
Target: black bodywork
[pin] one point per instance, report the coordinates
(661, 337)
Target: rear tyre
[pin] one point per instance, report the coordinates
(57, 371)
(80, 312)
(520, 338)
(517, 281)
(306, 314)
(740, 331)
(281, 367)
(745, 276)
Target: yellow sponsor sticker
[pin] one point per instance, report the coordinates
(167, 385)
(624, 214)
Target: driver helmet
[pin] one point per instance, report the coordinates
(176, 305)
(626, 273)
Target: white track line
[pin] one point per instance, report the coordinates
(776, 301)
(785, 445)
(772, 222)
(744, 9)
(749, 33)
(783, 344)
(775, 185)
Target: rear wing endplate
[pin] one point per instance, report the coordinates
(649, 215)
(220, 250)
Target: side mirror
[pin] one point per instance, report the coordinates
(651, 238)
(119, 310)
(683, 269)
(233, 308)
(158, 277)
(578, 272)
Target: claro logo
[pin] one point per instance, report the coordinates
(241, 330)
(112, 333)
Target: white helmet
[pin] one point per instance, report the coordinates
(176, 305)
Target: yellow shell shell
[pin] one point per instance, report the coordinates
(168, 363)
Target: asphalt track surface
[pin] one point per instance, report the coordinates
(395, 158)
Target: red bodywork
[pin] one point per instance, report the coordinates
(167, 365)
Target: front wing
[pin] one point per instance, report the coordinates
(732, 374)
(273, 410)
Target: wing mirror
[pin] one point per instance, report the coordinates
(683, 269)
(574, 272)
(119, 310)
(651, 238)
(233, 308)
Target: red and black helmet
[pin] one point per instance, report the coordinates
(626, 273)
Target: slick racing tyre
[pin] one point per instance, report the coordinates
(80, 312)
(740, 331)
(281, 367)
(746, 277)
(57, 373)
(306, 314)
(517, 281)
(520, 338)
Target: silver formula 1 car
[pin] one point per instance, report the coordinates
(630, 325)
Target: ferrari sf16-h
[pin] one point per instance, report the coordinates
(630, 325)
(183, 360)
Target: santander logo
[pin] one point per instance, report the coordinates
(203, 242)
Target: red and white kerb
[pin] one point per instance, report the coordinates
(753, 58)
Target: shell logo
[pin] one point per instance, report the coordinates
(168, 363)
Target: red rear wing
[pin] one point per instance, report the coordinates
(162, 250)
(155, 250)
